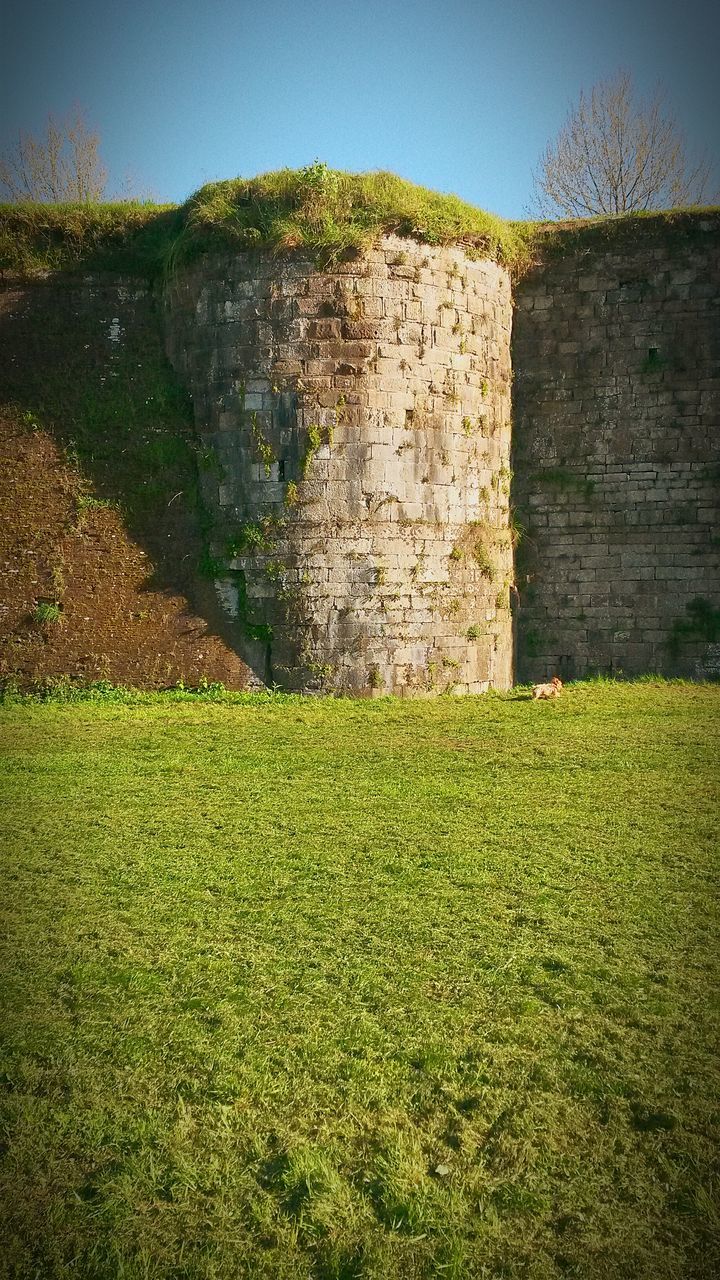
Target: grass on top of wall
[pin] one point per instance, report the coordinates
(127, 237)
(360, 990)
(323, 212)
(335, 214)
(619, 232)
(326, 213)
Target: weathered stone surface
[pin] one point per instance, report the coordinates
(357, 426)
(616, 453)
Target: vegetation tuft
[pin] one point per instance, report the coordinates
(47, 611)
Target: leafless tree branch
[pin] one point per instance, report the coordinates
(62, 167)
(614, 155)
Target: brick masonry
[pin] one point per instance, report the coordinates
(355, 429)
(354, 444)
(616, 452)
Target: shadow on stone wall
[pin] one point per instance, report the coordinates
(616, 393)
(83, 359)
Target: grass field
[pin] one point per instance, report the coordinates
(335, 989)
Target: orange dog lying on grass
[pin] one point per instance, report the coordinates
(550, 690)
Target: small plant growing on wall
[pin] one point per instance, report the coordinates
(450, 390)
(321, 671)
(317, 435)
(252, 536)
(517, 530)
(418, 567)
(481, 556)
(274, 571)
(263, 448)
(47, 611)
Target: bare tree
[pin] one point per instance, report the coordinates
(616, 155)
(62, 167)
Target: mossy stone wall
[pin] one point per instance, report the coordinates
(352, 434)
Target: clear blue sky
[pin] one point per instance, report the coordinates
(459, 95)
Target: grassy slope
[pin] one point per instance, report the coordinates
(324, 212)
(126, 237)
(340, 989)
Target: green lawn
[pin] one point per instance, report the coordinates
(362, 989)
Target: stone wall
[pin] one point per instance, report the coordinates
(616, 451)
(355, 442)
(353, 437)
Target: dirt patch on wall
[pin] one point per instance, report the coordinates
(77, 594)
(102, 537)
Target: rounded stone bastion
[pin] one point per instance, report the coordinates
(354, 446)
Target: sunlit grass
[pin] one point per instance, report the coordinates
(331, 213)
(325, 213)
(341, 989)
(129, 236)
